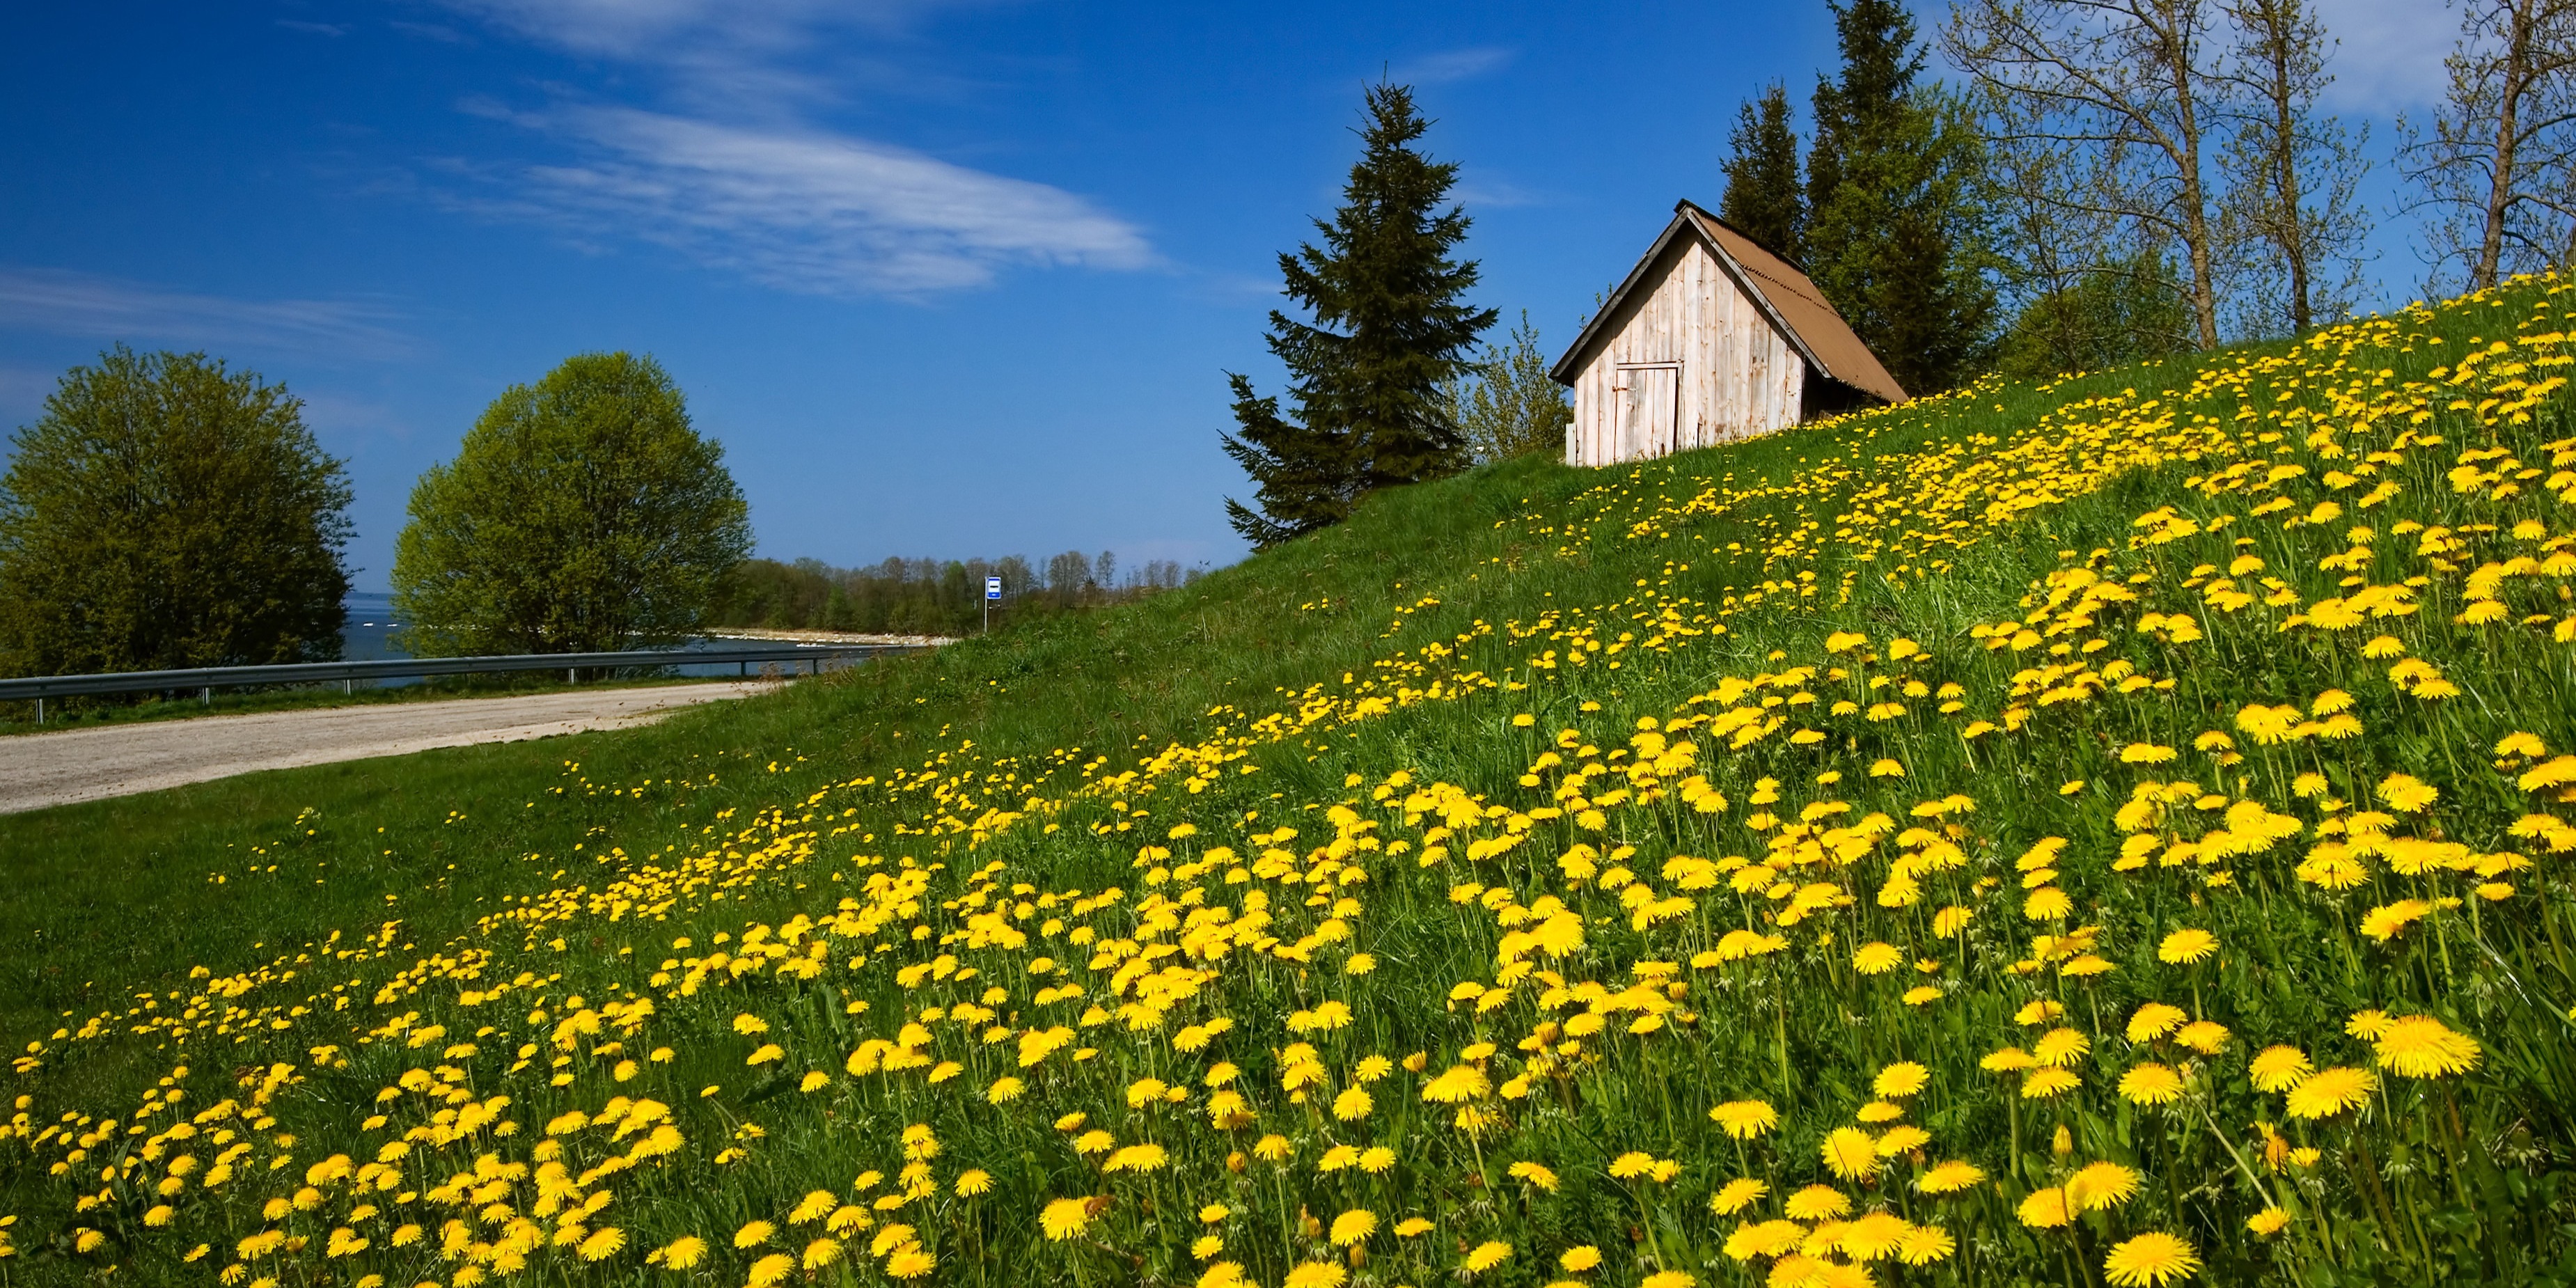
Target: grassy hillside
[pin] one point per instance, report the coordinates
(2104, 832)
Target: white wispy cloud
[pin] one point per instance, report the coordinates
(59, 302)
(1452, 65)
(733, 174)
(702, 42)
(804, 210)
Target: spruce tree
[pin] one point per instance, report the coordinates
(1762, 199)
(1390, 328)
(1893, 234)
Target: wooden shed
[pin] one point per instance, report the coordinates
(1710, 339)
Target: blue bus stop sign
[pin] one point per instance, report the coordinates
(992, 588)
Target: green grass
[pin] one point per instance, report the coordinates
(446, 833)
(1461, 605)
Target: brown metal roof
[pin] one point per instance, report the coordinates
(1784, 294)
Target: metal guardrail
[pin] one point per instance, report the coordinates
(208, 679)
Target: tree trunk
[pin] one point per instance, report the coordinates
(2174, 37)
(2516, 79)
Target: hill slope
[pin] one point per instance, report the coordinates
(2111, 831)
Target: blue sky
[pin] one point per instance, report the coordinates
(945, 278)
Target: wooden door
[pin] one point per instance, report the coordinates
(1649, 407)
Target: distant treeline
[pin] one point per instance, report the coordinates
(930, 596)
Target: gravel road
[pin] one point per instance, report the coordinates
(42, 769)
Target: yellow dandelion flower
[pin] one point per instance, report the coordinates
(1816, 1203)
(910, 1263)
(1354, 1226)
(2419, 1046)
(1317, 1274)
(2060, 1047)
(1631, 1165)
(2406, 793)
(2278, 1068)
(1136, 1158)
(1851, 1153)
(2044, 1209)
(1412, 1227)
(684, 1252)
(820, 1253)
(1737, 1195)
(2186, 946)
(2150, 1259)
(2151, 1084)
(771, 1269)
(2100, 1186)
(1901, 1079)
(2328, 1092)
(2268, 1222)
(1902, 1139)
(2368, 1025)
(2154, 1020)
(1745, 1119)
(1457, 1084)
(1949, 1178)
(1577, 1260)
(974, 1181)
(1487, 1255)
(2208, 1037)
(753, 1234)
(1064, 1218)
(2044, 1083)
(1925, 1244)
(1535, 1174)
(1877, 959)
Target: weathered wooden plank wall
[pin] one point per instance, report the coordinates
(1738, 376)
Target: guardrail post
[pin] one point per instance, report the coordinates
(207, 698)
(40, 713)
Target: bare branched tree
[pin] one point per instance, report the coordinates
(2496, 169)
(2086, 287)
(2292, 212)
(2127, 88)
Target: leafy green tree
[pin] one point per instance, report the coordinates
(2115, 312)
(1894, 233)
(1506, 404)
(582, 513)
(167, 512)
(1390, 327)
(1762, 198)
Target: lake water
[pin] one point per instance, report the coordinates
(368, 635)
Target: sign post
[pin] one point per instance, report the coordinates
(992, 594)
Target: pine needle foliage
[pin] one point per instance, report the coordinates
(1763, 199)
(1893, 233)
(1390, 327)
